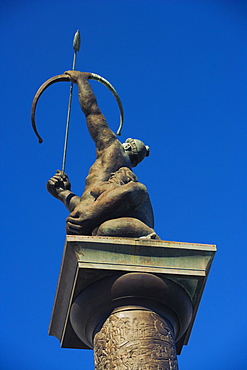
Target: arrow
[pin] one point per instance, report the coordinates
(76, 47)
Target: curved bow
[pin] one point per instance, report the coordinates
(64, 77)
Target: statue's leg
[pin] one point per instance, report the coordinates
(125, 227)
(111, 204)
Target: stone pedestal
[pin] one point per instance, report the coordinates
(134, 301)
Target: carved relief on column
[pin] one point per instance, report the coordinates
(135, 339)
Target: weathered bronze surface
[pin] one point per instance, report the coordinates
(113, 203)
(134, 338)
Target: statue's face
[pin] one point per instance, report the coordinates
(128, 150)
(127, 147)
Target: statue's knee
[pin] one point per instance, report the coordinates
(103, 230)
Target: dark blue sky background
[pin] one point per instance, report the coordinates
(180, 68)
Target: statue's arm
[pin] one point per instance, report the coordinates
(59, 186)
(98, 128)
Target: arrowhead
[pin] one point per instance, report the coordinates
(77, 41)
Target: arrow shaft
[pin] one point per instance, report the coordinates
(68, 119)
(76, 46)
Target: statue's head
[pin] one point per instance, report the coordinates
(136, 150)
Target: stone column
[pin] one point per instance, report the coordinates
(134, 338)
(132, 320)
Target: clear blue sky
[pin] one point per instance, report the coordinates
(180, 68)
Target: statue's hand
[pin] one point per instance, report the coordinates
(79, 223)
(58, 183)
(75, 75)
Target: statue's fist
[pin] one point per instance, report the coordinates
(75, 75)
(58, 183)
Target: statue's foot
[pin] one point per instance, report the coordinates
(151, 236)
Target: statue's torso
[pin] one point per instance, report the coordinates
(108, 161)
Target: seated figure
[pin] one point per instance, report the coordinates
(113, 203)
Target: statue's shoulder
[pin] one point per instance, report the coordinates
(110, 151)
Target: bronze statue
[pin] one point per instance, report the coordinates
(113, 203)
